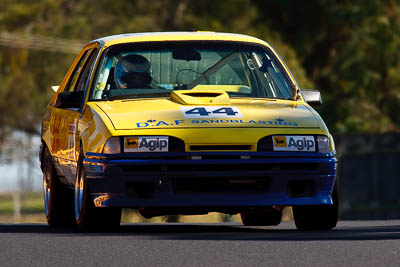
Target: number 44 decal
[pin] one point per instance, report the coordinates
(194, 112)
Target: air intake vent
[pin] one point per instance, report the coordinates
(220, 148)
(203, 94)
(200, 97)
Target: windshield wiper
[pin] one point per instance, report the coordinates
(149, 95)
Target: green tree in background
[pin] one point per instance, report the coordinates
(347, 50)
(350, 50)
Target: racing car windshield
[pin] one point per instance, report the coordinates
(156, 69)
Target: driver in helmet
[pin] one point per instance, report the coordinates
(133, 71)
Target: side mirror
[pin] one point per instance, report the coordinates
(69, 100)
(312, 97)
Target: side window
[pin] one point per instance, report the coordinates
(77, 70)
(86, 71)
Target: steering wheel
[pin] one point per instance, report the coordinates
(180, 71)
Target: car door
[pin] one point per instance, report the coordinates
(65, 117)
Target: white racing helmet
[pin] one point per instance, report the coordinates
(133, 71)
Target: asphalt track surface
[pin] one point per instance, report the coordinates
(352, 243)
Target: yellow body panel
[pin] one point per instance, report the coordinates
(101, 120)
(162, 117)
(179, 36)
(135, 113)
(242, 141)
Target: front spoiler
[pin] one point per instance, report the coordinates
(112, 177)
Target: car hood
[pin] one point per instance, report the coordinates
(165, 113)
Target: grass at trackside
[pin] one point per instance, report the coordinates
(31, 202)
(32, 210)
(6, 204)
(31, 207)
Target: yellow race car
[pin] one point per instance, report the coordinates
(185, 123)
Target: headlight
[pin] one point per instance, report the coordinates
(112, 146)
(323, 144)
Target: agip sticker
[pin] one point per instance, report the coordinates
(294, 143)
(131, 143)
(146, 144)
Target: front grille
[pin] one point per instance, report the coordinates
(225, 167)
(218, 185)
(246, 167)
(220, 148)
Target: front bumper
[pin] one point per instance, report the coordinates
(210, 179)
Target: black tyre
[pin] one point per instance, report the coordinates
(57, 197)
(270, 217)
(318, 217)
(87, 216)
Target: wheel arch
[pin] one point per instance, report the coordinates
(42, 151)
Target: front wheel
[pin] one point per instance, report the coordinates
(318, 217)
(87, 216)
(57, 198)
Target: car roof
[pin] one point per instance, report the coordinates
(177, 36)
